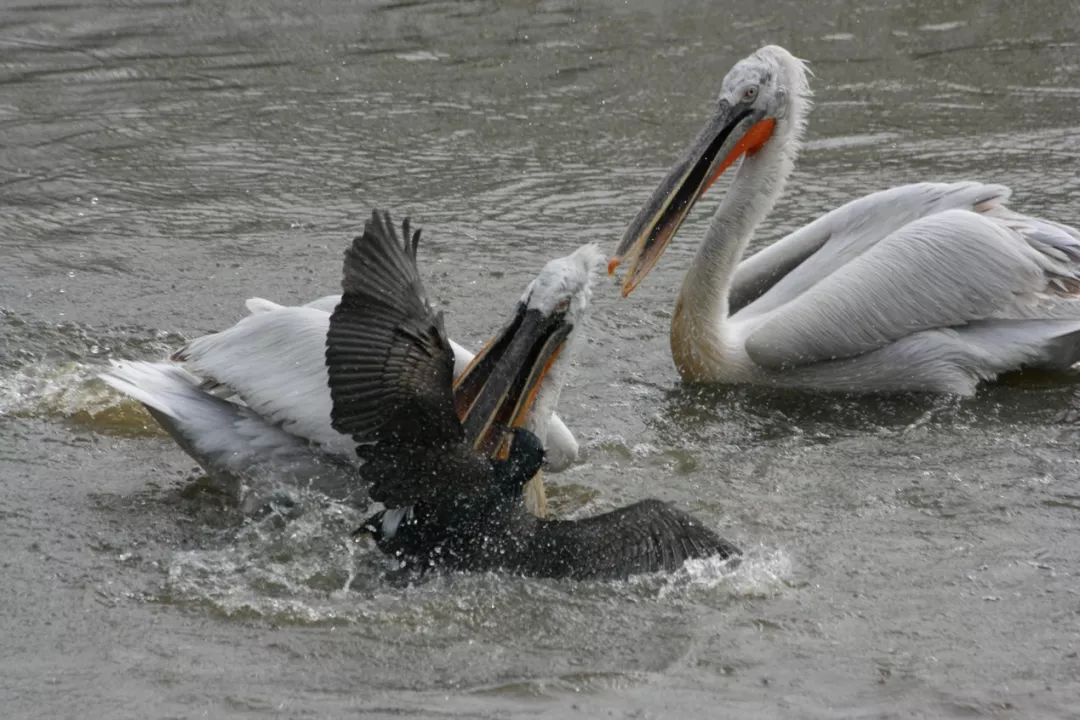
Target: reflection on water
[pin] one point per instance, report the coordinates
(162, 161)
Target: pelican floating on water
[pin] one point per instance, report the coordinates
(251, 404)
(427, 441)
(924, 287)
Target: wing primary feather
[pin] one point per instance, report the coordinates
(389, 362)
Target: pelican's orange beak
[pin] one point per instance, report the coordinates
(499, 387)
(733, 132)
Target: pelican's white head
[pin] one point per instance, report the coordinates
(772, 82)
(564, 286)
(565, 283)
(762, 105)
(534, 350)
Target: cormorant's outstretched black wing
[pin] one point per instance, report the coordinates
(648, 536)
(391, 372)
(390, 364)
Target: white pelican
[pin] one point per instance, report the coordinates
(929, 287)
(251, 404)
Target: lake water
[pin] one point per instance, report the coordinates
(160, 162)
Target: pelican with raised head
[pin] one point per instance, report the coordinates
(428, 442)
(924, 287)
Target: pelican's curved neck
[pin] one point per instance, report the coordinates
(697, 336)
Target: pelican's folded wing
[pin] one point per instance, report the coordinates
(792, 265)
(945, 270)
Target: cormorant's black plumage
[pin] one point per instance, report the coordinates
(391, 382)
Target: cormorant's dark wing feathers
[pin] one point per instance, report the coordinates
(648, 536)
(390, 364)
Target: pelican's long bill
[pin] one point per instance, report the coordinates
(498, 389)
(731, 132)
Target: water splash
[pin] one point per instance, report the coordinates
(291, 566)
(71, 392)
(51, 372)
(761, 572)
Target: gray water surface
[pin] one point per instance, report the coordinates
(160, 162)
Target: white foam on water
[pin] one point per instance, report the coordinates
(65, 389)
(295, 570)
(943, 27)
(421, 56)
(761, 571)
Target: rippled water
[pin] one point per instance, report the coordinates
(162, 161)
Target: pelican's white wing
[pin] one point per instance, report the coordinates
(326, 303)
(948, 269)
(789, 267)
(274, 360)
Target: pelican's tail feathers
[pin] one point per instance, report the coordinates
(234, 445)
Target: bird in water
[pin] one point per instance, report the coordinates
(923, 287)
(251, 404)
(428, 449)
